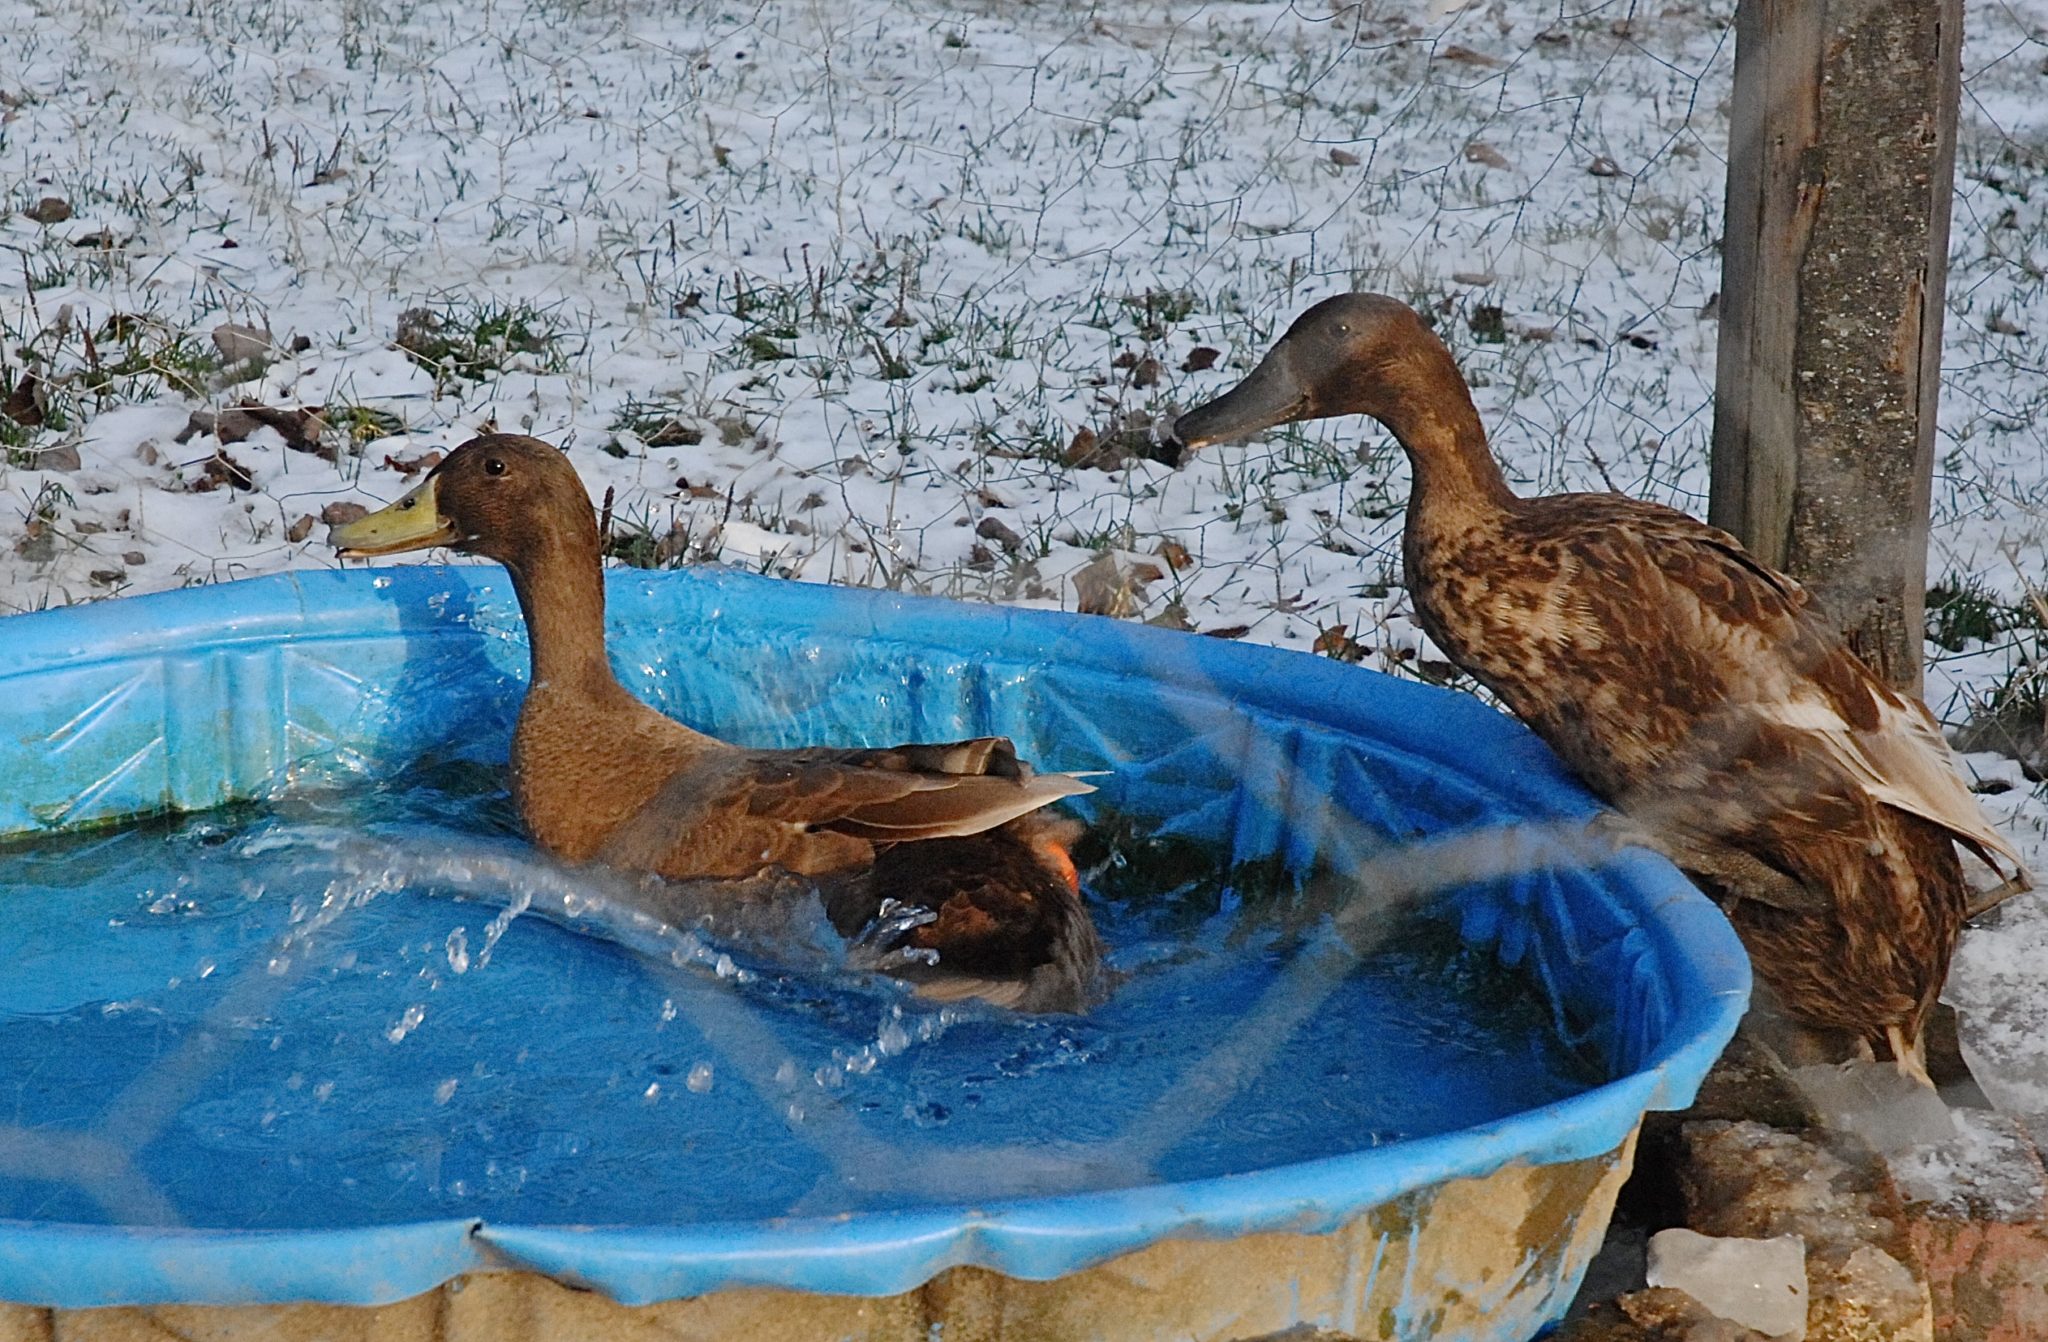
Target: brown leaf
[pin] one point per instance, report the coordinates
(341, 514)
(1112, 585)
(1175, 554)
(221, 469)
(1344, 158)
(1228, 631)
(1603, 166)
(1480, 152)
(995, 529)
(1199, 358)
(1466, 56)
(1336, 641)
(409, 466)
(299, 529)
(24, 405)
(1146, 374)
(49, 210)
(1127, 359)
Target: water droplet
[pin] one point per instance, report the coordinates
(652, 1093)
(407, 1023)
(323, 1091)
(699, 1080)
(380, 582)
(668, 1009)
(458, 950)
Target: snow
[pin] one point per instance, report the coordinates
(952, 219)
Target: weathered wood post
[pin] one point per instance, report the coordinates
(1840, 170)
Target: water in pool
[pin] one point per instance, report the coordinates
(326, 1011)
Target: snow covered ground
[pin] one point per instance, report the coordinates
(832, 290)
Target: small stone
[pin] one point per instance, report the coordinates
(299, 529)
(239, 344)
(134, 557)
(341, 514)
(49, 210)
(1758, 1283)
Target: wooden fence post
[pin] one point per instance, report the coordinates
(1835, 256)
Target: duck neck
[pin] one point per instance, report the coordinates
(1432, 415)
(561, 594)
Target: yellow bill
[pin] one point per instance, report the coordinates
(412, 523)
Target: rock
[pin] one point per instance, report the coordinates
(49, 210)
(134, 557)
(340, 514)
(1744, 1179)
(1988, 1171)
(1758, 1283)
(1664, 1314)
(301, 427)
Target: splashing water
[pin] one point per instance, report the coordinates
(284, 1018)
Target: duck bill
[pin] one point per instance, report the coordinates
(1271, 394)
(412, 523)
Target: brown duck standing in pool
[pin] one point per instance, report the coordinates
(1695, 689)
(954, 829)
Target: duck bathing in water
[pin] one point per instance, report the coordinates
(1696, 690)
(954, 830)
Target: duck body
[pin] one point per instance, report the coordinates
(598, 775)
(1693, 688)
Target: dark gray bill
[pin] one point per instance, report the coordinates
(1270, 394)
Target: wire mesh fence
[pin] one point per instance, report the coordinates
(904, 294)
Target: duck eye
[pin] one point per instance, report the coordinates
(493, 466)
(1343, 329)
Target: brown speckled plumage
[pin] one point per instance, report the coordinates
(1695, 689)
(599, 775)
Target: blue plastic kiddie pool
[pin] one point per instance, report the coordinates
(274, 1040)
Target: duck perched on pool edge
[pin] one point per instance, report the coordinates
(1692, 687)
(955, 829)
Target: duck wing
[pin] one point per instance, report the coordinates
(731, 812)
(1783, 673)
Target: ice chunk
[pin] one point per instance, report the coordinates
(1877, 1103)
(1758, 1283)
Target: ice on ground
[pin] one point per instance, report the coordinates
(1877, 1102)
(1988, 1171)
(1758, 1283)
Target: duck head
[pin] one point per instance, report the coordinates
(502, 496)
(1355, 354)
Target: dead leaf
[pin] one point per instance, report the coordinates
(1227, 631)
(1336, 642)
(1111, 584)
(223, 470)
(1483, 153)
(410, 466)
(341, 514)
(1466, 56)
(49, 210)
(1146, 374)
(1603, 166)
(1175, 554)
(299, 529)
(24, 405)
(1344, 158)
(1199, 358)
(995, 529)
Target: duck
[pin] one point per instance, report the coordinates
(945, 848)
(1698, 691)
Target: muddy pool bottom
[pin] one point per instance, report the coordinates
(329, 1011)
